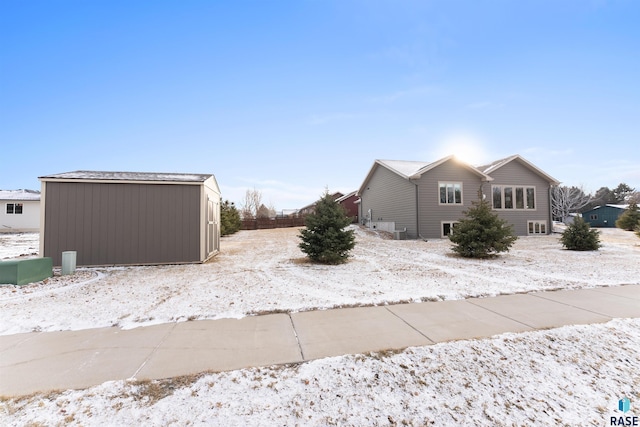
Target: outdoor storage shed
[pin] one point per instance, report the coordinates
(604, 216)
(119, 218)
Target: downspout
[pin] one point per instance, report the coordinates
(417, 212)
(549, 211)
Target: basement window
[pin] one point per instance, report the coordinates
(447, 228)
(537, 227)
(14, 208)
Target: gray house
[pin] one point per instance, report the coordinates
(120, 218)
(427, 199)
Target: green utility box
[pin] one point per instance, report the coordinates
(24, 271)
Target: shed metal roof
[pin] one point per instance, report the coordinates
(621, 207)
(127, 176)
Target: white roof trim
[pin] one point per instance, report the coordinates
(433, 165)
(346, 196)
(500, 163)
(408, 169)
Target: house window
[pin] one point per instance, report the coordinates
(519, 198)
(497, 197)
(512, 197)
(14, 208)
(531, 198)
(593, 217)
(537, 227)
(448, 227)
(508, 197)
(450, 193)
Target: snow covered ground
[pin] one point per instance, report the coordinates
(264, 271)
(567, 376)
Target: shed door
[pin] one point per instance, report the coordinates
(213, 229)
(210, 227)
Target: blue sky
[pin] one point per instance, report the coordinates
(292, 97)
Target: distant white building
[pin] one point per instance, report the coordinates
(19, 211)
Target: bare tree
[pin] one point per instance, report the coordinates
(272, 210)
(566, 200)
(263, 212)
(251, 204)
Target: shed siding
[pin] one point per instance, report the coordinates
(431, 212)
(390, 198)
(605, 216)
(122, 223)
(516, 174)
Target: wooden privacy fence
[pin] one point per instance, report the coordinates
(263, 223)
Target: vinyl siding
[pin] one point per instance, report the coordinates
(391, 198)
(122, 223)
(516, 174)
(27, 221)
(431, 212)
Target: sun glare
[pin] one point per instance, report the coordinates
(465, 147)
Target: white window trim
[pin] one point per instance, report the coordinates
(461, 193)
(514, 208)
(14, 209)
(442, 223)
(540, 222)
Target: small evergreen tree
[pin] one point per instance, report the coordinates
(229, 218)
(579, 236)
(325, 239)
(630, 218)
(481, 233)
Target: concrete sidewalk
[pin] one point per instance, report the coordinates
(44, 361)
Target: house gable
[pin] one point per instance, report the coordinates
(403, 168)
(460, 165)
(387, 196)
(349, 202)
(495, 169)
(516, 175)
(432, 210)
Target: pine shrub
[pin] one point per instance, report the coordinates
(325, 239)
(229, 218)
(630, 218)
(579, 236)
(481, 233)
